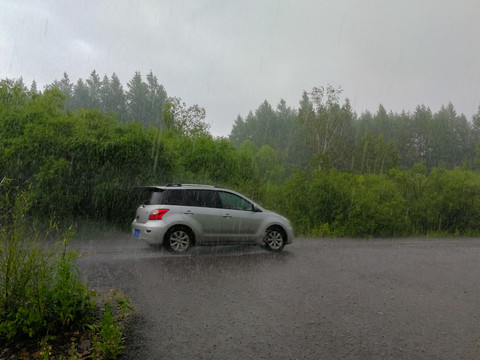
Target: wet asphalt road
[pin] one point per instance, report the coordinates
(318, 299)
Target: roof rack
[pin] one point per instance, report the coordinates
(198, 185)
(190, 185)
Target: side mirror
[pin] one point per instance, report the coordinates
(256, 209)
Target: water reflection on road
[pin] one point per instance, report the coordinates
(317, 299)
(124, 246)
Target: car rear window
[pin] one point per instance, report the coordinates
(154, 196)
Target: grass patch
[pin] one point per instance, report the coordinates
(43, 303)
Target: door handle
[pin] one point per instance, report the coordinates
(188, 213)
(227, 216)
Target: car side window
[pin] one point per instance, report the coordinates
(235, 202)
(201, 198)
(173, 197)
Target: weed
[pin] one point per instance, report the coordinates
(108, 338)
(40, 290)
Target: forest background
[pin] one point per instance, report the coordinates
(84, 148)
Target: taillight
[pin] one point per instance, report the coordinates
(157, 214)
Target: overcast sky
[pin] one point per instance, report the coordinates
(230, 56)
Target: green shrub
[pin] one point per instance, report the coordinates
(377, 209)
(40, 290)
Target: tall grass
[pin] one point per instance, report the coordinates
(40, 288)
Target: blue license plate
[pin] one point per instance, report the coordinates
(136, 233)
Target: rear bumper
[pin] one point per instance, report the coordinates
(151, 232)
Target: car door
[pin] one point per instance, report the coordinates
(239, 221)
(203, 214)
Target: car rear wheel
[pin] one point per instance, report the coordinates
(275, 239)
(178, 240)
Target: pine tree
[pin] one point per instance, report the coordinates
(156, 97)
(81, 97)
(94, 84)
(136, 96)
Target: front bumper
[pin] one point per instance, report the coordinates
(289, 231)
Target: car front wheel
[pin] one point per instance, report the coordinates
(275, 239)
(178, 240)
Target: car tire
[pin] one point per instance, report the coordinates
(178, 239)
(275, 239)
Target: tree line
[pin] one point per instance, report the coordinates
(330, 172)
(325, 133)
(145, 101)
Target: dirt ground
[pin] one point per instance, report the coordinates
(318, 299)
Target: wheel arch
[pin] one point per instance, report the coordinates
(278, 227)
(183, 227)
(273, 243)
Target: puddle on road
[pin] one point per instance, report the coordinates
(148, 252)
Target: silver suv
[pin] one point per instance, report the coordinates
(181, 216)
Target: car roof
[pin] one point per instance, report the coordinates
(185, 186)
(197, 187)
